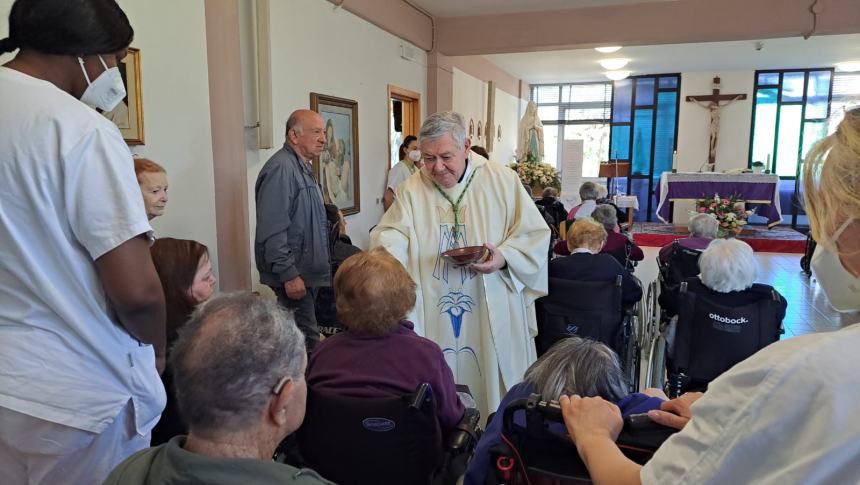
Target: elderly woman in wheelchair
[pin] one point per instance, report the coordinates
(728, 270)
(703, 229)
(572, 366)
(585, 239)
(379, 354)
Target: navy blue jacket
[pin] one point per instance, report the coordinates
(596, 267)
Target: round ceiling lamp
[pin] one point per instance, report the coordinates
(613, 64)
(617, 75)
(608, 49)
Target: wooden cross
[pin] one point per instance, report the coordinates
(714, 102)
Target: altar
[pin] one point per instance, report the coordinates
(761, 190)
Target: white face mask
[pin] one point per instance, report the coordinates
(106, 91)
(840, 286)
(415, 155)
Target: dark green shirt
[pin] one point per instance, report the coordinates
(171, 464)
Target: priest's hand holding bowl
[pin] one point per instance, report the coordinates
(494, 261)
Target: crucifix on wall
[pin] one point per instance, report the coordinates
(714, 102)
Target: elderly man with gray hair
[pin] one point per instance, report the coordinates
(238, 367)
(481, 313)
(703, 229)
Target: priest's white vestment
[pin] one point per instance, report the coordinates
(484, 323)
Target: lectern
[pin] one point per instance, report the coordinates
(612, 170)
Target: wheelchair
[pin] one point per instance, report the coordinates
(682, 263)
(383, 441)
(710, 337)
(623, 257)
(590, 309)
(538, 450)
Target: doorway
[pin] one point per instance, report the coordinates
(404, 119)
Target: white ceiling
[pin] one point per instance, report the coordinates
(462, 8)
(581, 64)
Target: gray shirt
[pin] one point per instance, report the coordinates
(292, 231)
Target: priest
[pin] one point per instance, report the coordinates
(481, 315)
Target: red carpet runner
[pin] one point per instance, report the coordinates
(779, 239)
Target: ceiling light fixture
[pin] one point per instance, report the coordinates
(617, 75)
(852, 66)
(608, 49)
(613, 64)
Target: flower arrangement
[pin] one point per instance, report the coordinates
(536, 174)
(728, 211)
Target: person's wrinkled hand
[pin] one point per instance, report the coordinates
(587, 417)
(675, 413)
(295, 288)
(494, 262)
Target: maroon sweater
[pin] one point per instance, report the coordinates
(393, 365)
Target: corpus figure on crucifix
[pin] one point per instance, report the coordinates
(714, 103)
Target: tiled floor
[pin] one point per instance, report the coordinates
(808, 310)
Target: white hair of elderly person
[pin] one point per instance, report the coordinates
(787, 414)
(728, 265)
(239, 371)
(703, 225)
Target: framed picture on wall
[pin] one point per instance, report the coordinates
(337, 167)
(128, 114)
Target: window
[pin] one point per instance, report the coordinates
(571, 112)
(645, 132)
(846, 95)
(791, 112)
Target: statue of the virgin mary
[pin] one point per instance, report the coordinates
(530, 136)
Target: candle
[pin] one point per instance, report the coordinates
(675, 160)
(767, 165)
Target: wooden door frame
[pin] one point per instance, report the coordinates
(404, 95)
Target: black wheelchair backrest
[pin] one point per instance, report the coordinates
(382, 441)
(711, 338)
(588, 309)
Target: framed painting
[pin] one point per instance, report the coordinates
(337, 167)
(128, 114)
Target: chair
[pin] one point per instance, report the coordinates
(382, 440)
(711, 338)
(539, 450)
(588, 309)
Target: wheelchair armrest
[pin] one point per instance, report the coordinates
(465, 434)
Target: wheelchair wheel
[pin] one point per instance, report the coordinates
(657, 363)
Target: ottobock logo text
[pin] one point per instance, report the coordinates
(731, 321)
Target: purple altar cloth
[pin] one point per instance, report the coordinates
(761, 190)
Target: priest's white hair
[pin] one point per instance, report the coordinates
(728, 265)
(703, 225)
(439, 124)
